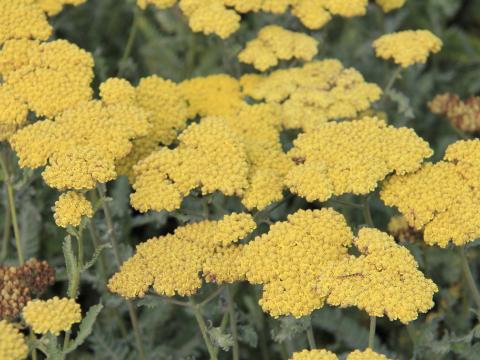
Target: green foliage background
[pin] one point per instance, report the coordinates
(164, 45)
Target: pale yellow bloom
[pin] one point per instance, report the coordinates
(70, 208)
(12, 343)
(389, 5)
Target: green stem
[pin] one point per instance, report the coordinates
(130, 40)
(310, 335)
(6, 235)
(80, 251)
(390, 83)
(346, 203)
(203, 329)
(13, 210)
(233, 324)
(211, 296)
(366, 213)
(116, 251)
(371, 335)
(469, 277)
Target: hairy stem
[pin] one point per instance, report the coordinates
(366, 213)
(371, 335)
(233, 323)
(310, 335)
(12, 208)
(6, 235)
(131, 39)
(203, 329)
(390, 83)
(469, 277)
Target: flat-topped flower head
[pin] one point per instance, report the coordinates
(13, 113)
(214, 95)
(352, 157)
(22, 19)
(291, 255)
(209, 157)
(167, 109)
(317, 354)
(441, 199)
(48, 77)
(389, 5)
(53, 7)
(313, 94)
(274, 43)
(173, 264)
(383, 280)
(408, 47)
(12, 343)
(52, 316)
(210, 17)
(70, 208)
(81, 146)
(367, 354)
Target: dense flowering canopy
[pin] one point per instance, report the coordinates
(443, 198)
(53, 315)
(383, 280)
(407, 47)
(222, 17)
(352, 157)
(172, 263)
(80, 146)
(209, 157)
(275, 43)
(313, 94)
(367, 354)
(70, 208)
(12, 343)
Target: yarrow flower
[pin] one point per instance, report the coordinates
(441, 199)
(222, 17)
(81, 146)
(70, 208)
(463, 115)
(19, 284)
(291, 255)
(12, 343)
(352, 157)
(53, 7)
(209, 157)
(313, 94)
(367, 354)
(275, 43)
(13, 113)
(53, 315)
(383, 280)
(407, 47)
(172, 264)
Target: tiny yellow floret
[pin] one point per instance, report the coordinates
(12, 343)
(70, 208)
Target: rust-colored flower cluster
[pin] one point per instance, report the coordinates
(462, 114)
(19, 284)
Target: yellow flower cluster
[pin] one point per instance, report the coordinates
(80, 147)
(288, 259)
(12, 343)
(49, 77)
(214, 95)
(383, 280)
(208, 157)
(313, 94)
(70, 208)
(13, 113)
(275, 43)
(400, 229)
(22, 19)
(167, 109)
(352, 157)
(53, 315)
(172, 263)
(53, 7)
(407, 47)
(222, 17)
(389, 5)
(258, 127)
(367, 354)
(441, 199)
